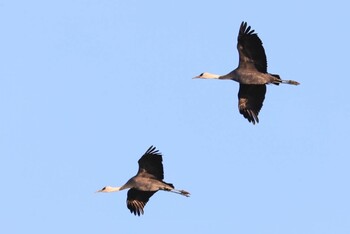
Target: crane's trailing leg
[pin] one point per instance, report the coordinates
(291, 82)
(181, 192)
(277, 80)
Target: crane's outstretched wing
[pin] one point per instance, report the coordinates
(150, 164)
(250, 101)
(137, 200)
(250, 49)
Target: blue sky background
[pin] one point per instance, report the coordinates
(86, 86)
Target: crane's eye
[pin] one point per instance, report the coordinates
(103, 188)
(201, 74)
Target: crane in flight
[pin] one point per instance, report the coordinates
(147, 181)
(251, 74)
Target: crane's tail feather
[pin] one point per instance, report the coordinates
(171, 185)
(277, 80)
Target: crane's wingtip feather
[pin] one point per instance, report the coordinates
(152, 150)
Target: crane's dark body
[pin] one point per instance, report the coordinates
(251, 74)
(148, 180)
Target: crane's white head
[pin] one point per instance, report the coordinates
(207, 75)
(108, 189)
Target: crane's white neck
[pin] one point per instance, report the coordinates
(207, 75)
(110, 189)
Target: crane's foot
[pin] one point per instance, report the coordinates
(185, 193)
(291, 82)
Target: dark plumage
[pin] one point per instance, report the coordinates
(250, 101)
(137, 200)
(150, 164)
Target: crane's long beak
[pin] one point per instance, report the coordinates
(196, 77)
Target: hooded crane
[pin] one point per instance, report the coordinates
(251, 74)
(148, 180)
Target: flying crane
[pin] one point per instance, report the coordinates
(147, 181)
(251, 74)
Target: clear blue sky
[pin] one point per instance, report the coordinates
(86, 86)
